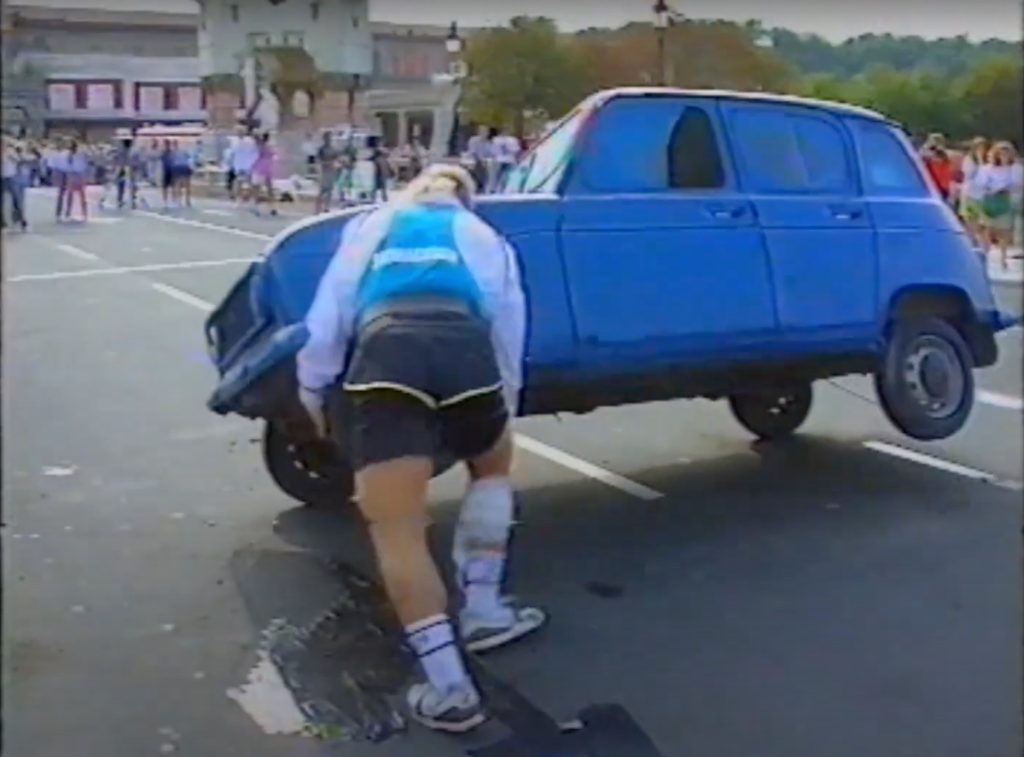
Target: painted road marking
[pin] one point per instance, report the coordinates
(215, 212)
(267, 699)
(182, 296)
(184, 265)
(995, 399)
(207, 226)
(944, 465)
(77, 252)
(606, 477)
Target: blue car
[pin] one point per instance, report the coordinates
(676, 244)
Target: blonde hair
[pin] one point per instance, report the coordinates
(998, 148)
(440, 183)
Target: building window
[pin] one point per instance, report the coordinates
(170, 98)
(118, 95)
(81, 96)
(355, 22)
(314, 9)
(234, 13)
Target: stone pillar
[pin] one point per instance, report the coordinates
(330, 109)
(291, 129)
(223, 99)
(336, 100)
(403, 127)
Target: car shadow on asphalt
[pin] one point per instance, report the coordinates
(811, 513)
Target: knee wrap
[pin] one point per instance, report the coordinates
(485, 523)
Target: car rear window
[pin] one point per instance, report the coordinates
(784, 152)
(887, 167)
(653, 144)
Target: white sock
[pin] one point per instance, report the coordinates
(433, 641)
(481, 538)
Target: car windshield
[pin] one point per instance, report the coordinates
(542, 168)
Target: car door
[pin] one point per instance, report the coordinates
(663, 254)
(799, 169)
(921, 242)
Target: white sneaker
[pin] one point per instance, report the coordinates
(457, 711)
(485, 633)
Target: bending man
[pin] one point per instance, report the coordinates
(430, 298)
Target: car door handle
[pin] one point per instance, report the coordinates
(727, 213)
(846, 213)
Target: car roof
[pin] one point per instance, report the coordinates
(599, 98)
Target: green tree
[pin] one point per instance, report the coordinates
(523, 71)
(992, 99)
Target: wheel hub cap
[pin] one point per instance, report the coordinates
(934, 377)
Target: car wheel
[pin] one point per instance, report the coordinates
(926, 384)
(772, 414)
(310, 472)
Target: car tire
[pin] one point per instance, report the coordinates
(926, 383)
(775, 413)
(311, 472)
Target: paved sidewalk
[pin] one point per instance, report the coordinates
(1012, 274)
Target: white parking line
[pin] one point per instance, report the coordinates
(182, 296)
(995, 399)
(129, 269)
(939, 464)
(606, 477)
(77, 252)
(215, 212)
(207, 226)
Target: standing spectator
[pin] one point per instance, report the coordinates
(346, 181)
(1017, 195)
(263, 174)
(227, 164)
(154, 164)
(480, 152)
(939, 164)
(182, 160)
(10, 177)
(971, 192)
(36, 161)
(23, 179)
(59, 177)
(167, 172)
(506, 152)
(78, 169)
(243, 157)
(996, 182)
(328, 160)
(381, 169)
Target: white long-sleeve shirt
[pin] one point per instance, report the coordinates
(972, 188)
(331, 320)
(994, 179)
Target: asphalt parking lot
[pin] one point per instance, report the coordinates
(850, 593)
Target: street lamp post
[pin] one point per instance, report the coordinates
(457, 70)
(661, 17)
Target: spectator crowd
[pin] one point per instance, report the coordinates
(983, 181)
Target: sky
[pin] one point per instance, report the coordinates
(834, 19)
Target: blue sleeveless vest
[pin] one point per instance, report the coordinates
(419, 257)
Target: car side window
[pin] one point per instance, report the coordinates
(652, 144)
(785, 152)
(887, 168)
(694, 157)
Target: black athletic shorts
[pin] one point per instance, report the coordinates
(422, 379)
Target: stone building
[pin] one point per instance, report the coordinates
(77, 69)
